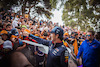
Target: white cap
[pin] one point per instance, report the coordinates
(7, 44)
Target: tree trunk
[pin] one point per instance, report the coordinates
(23, 8)
(29, 10)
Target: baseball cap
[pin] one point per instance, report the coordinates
(58, 30)
(28, 31)
(66, 33)
(14, 31)
(3, 32)
(7, 44)
(36, 35)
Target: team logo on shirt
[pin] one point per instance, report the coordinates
(57, 49)
(54, 52)
(62, 46)
(93, 46)
(57, 31)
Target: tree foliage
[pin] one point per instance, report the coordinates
(43, 9)
(85, 13)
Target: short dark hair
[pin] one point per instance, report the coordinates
(60, 37)
(72, 33)
(45, 34)
(18, 27)
(92, 32)
(9, 21)
(80, 34)
(76, 34)
(8, 25)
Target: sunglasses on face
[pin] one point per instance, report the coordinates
(88, 35)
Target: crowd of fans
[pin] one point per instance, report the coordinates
(14, 28)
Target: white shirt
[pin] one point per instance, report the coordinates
(15, 22)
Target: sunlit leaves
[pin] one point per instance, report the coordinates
(86, 11)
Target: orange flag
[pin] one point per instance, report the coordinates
(75, 47)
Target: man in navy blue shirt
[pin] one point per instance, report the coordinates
(91, 51)
(56, 54)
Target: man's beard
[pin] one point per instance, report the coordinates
(90, 39)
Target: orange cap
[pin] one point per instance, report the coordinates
(27, 30)
(66, 34)
(36, 35)
(3, 32)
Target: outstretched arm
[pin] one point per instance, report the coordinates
(40, 40)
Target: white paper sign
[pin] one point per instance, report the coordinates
(41, 47)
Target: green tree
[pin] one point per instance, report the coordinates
(45, 9)
(84, 12)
